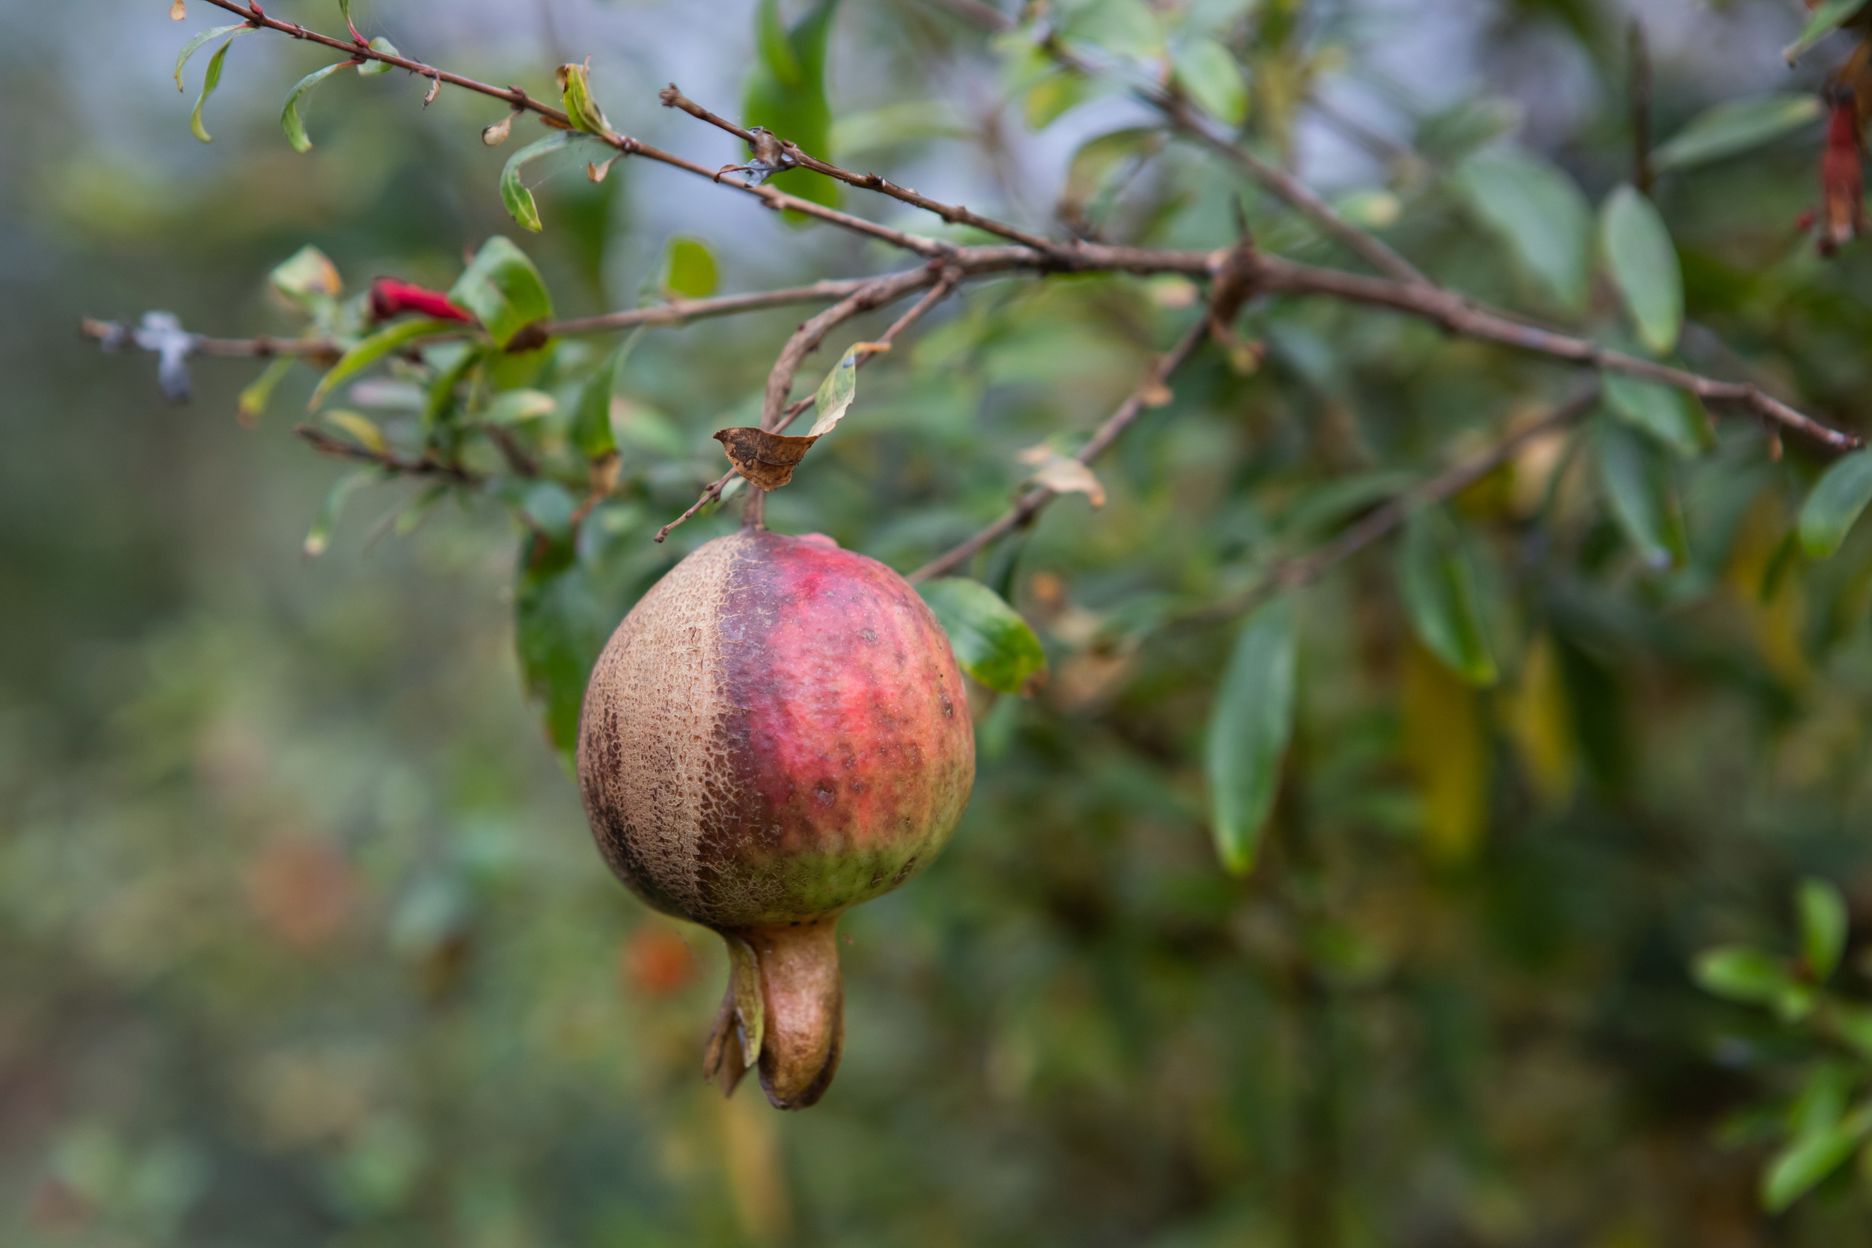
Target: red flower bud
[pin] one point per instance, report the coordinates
(1842, 174)
(390, 297)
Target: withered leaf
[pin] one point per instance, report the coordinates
(766, 459)
(1062, 474)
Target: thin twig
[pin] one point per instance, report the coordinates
(1389, 516)
(406, 465)
(1030, 503)
(712, 492)
(1209, 132)
(1640, 72)
(1459, 316)
(954, 214)
(520, 100)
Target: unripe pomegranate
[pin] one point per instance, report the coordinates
(775, 733)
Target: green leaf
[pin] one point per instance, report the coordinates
(306, 278)
(372, 69)
(1823, 927)
(1671, 416)
(318, 537)
(992, 643)
(253, 400)
(375, 347)
(201, 41)
(1054, 96)
(290, 121)
(1537, 212)
(591, 420)
(1438, 587)
(561, 622)
(503, 289)
(210, 81)
(1827, 17)
(1737, 973)
(1638, 486)
(689, 269)
(1835, 503)
(1643, 263)
(835, 394)
(1810, 1158)
(1100, 157)
(1210, 75)
(786, 93)
(1123, 27)
(580, 107)
(513, 406)
(514, 193)
(1735, 126)
(363, 430)
(1249, 729)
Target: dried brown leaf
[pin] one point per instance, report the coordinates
(766, 459)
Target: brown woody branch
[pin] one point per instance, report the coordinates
(1210, 133)
(518, 99)
(1464, 318)
(326, 443)
(1150, 391)
(945, 283)
(954, 214)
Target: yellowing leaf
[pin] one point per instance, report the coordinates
(1443, 740)
(1062, 474)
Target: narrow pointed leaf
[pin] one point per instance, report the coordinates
(514, 193)
(786, 90)
(1823, 927)
(1249, 729)
(1740, 974)
(1835, 503)
(1210, 75)
(591, 421)
(1537, 212)
(201, 41)
(1636, 478)
(1643, 264)
(318, 537)
(1439, 591)
(1810, 1158)
(290, 120)
(1671, 417)
(1825, 18)
(210, 80)
(374, 348)
(1735, 126)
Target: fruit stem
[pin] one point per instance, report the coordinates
(784, 1007)
(754, 511)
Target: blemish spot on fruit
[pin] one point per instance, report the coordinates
(825, 792)
(869, 634)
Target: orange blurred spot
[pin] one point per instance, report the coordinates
(655, 961)
(302, 890)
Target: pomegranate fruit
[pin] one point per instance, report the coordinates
(775, 733)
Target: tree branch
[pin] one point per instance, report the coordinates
(1030, 504)
(406, 465)
(945, 283)
(954, 214)
(1210, 133)
(518, 99)
(1459, 316)
(1388, 517)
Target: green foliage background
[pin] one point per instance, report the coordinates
(305, 939)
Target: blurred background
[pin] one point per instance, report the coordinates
(305, 941)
